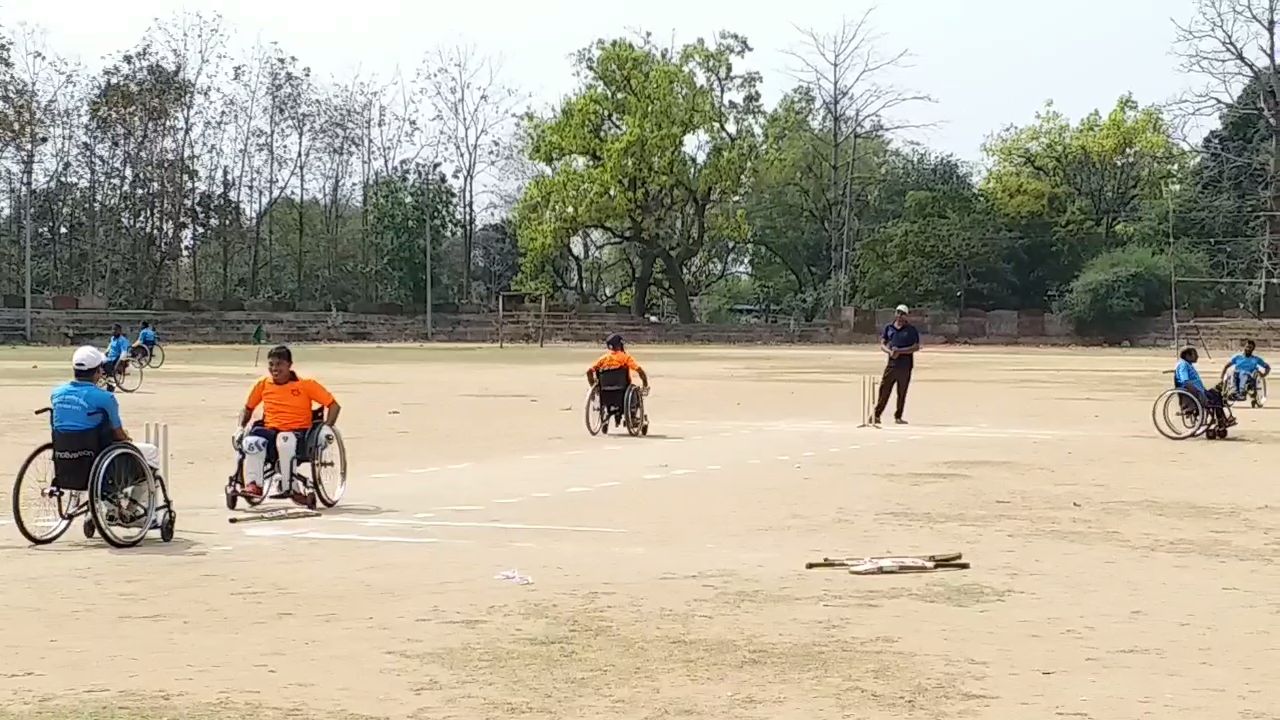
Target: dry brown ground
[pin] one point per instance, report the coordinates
(1116, 574)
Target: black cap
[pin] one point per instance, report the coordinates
(614, 342)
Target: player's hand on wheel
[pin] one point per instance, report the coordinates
(645, 391)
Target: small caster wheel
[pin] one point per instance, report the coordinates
(89, 529)
(311, 500)
(233, 498)
(644, 429)
(166, 529)
(1222, 434)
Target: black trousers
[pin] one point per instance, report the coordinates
(893, 376)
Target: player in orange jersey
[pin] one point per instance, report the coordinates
(286, 401)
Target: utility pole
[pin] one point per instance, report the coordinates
(27, 181)
(430, 215)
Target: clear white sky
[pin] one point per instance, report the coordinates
(988, 62)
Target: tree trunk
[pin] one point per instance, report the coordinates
(679, 289)
(644, 280)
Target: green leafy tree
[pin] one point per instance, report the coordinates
(648, 156)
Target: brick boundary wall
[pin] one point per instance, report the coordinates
(997, 327)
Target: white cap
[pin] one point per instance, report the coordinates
(903, 309)
(87, 357)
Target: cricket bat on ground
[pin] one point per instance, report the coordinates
(855, 561)
(282, 514)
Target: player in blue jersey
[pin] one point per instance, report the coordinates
(1186, 376)
(1246, 364)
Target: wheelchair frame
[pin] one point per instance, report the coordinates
(147, 357)
(318, 488)
(634, 417)
(1193, 417)
(99, 519)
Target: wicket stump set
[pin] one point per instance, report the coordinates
(157, 433)
(870, 394)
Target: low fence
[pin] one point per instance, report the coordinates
(525, 325)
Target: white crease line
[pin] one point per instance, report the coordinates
(577, 489)
(532, 457)
(365, 538)
(420, 471)
(753, 462)
(508, 501)
(916, 437)
(222, 548)
(380, 476)
(460, 508)
(540, 495)
(613, 447)
(833, 449)
(522, 545)
(784, 457)
(696, 437)
(713, 467)
(607, 484)
(855, 447)
(491, 525)
(682, 472)
(652, 476)
(459, 466)
(575, 452)
(808, 454)
(726, 434)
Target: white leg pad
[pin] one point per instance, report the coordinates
(255, 459)
(287, 450)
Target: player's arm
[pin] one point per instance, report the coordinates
(111, 407)
(884, 342)
(1230, 364)
(635, 366)
(321, 396)
(251, 403)
(591, 372)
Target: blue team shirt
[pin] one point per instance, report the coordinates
(1249, 364)
(118, 348)
(73, 402)
(147, 337)
(1186, 374)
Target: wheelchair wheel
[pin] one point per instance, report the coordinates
(128, 378)
(633, 412)
(1259, 396)
(141, 355)
(235, 488)
(329, 467)
(1178, 415)
(156, 356)
(122, 495)
(38, 507)
(595, 411)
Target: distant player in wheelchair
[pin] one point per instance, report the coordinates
(613, 395)
(1248, 374)
(1189, 408)
(97, 468)
(290, 434)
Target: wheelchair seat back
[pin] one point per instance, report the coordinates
(613, 379)
(74, 454)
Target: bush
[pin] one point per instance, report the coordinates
(1120, 287)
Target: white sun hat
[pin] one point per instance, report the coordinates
(903, 309)
(87, 357)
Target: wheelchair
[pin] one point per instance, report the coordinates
(1255, 389)
(123, 376)
(326, 481)
(614, 397)
(1179, 414)
(88, 474)
(145, 356)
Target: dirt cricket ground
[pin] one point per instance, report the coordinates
(1115, 574)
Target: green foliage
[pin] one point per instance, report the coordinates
(1121, 286)
(647, 156)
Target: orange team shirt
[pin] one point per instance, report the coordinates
(287, 407)
(616, 359)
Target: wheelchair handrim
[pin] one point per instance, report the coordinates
(105, 509)
(48, 520)
(133, 381)
(329, 489)
(594, 411)
(1177, 425)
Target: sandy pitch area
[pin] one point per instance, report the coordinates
(1116, 574)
